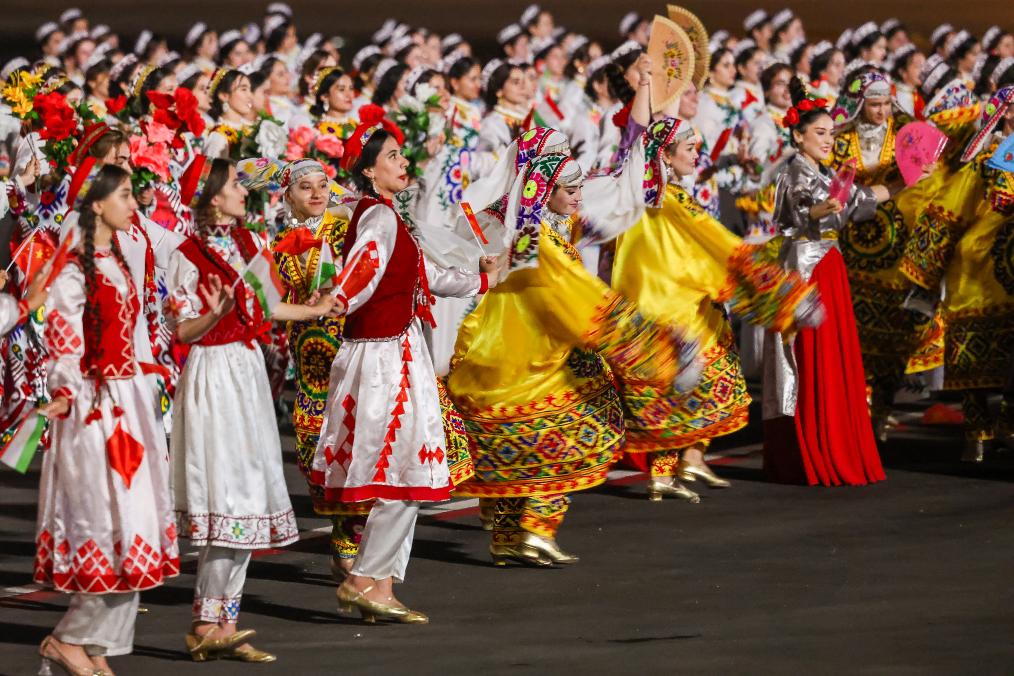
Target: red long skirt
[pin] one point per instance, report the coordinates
(829, 442)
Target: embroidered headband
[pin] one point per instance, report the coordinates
(371, 118)
(863, 32)
(216, 80)
(382, 68)
(754, 19)
(488, 70)
(792, 116)
(992, 116)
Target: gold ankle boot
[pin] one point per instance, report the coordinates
(693, 472)
(658, 489)
(548, 548)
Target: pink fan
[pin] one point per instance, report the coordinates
(841, 184)
(917, 145)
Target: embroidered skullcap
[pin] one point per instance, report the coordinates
(624, 49)
(844, 40)
(274, 22)
(508, 33)
(980, 62)
(100, 31)
(97, 56)
(227, 40)
(933, 72)
(855, 91)
(251, 33)
(448, 61)
(401, 44)
(279, 8)
(71, 41)
(782, 19)
(414, 76)
(43, 32)
(957, 40)
(363, 54)
(742, 46)
(17, 63)
(530, 14)
(451, 41)
(540, 45)
(629, 22)
(754, 19)
(717, 41)
(383, 34)
(382, 68)
(187, 72)
(399, 30)
(863, 32)
(577, 43)
(531, 144)
(128, 61)
(820, 49)
(997, 76)
(72, 14)
(595, 65)
(488, 70)
(939, 32)
(990, 37)
(891, 24)
(143, 40)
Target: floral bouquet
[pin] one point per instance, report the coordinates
(310, 142)
(418, 118)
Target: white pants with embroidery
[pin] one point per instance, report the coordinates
(221, 573)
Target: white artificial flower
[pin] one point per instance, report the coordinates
(271, 139)
(411, 104)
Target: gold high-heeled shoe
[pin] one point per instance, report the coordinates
(51, 655)
(548, 548)
(524, 555)
(371, 611)
(657, 490)
(247, 653)
(203, 647)
(693, 472)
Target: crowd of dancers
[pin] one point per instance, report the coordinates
(489, 278)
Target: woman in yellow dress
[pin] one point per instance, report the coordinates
(972, 255)
(680, 265)
(529, 374)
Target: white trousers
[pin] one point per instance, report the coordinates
(221, 574)
(387, 540)
(103, 624)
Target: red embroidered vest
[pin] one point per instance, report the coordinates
(237, 325)
(111, 357)
(402, 293)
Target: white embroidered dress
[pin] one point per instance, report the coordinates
(383, 434)
(226, 454)
(105, 513)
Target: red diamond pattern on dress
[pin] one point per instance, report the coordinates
(91, 569)
(124, 453)
(60, 336)
(143, 565)
(399, 409)
(426, 456)
(344, 454)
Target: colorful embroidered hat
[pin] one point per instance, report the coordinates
(866, 85)
(993, 114)
(660, 135)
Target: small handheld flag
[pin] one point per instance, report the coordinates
(260, 274)
(358, 272)
(326, 273)
(21, 440)
(473, 224)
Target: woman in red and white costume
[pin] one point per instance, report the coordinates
(106, 528)
(383, 436)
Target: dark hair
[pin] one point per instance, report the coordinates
(427, 76)
(402, 54)
(822, 61)
(388, 84)
(867, 42)
(901, 64)
(275, 37)
(365, 75)
(218, 177)
(109, 178)
(598, 76)
(798, 92)
(191, 82)
(497, 80)
(984, 85)
(321, 94)
(899, 27)
(962, 49)
(1006, 78)
(619, 89)
(580, 55)
(949, 75)
(461, 67)
(156, 40)
(798, 54)
(191, 52)
(743, 57)
(717, 55)
(140, 104)
(769, 74)
(225, 86)
(544, 52)
(258, 77)
(368, 158)
(942, 40)
(310, 67)
(113, 137)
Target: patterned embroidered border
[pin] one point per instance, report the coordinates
(240, 532)
(90, 570)
(930, 247)
(979, 348)
(214, 609)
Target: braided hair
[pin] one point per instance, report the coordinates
(108, 180)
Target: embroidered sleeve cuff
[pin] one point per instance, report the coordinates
(66, 394)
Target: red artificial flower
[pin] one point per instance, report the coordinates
(187, 112)
(160, 100)
(622, 116)
(46, 103)
(147, 156)
(791, 118)
(114, 106)
(58, 124)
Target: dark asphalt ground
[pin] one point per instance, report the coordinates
(912, 576)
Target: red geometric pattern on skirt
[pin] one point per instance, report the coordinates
(144, 567)
(386, 452)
